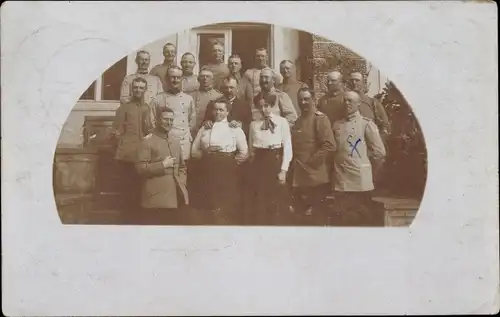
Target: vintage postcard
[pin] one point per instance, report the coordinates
(244, 158)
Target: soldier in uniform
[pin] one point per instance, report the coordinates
(252, 76)
(154, 86)
(130, 125)
(189, 79)
(332, 104)
(203, 96)
(163, 170)
(370, 108)
(234, 65)
(160, 70)
(283, 106)
(360, 153)
(183, 106)
(313, 146)
(290, 84)
(218, 68)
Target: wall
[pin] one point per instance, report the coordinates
(328, 55)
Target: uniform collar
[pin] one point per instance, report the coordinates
(354, 116)
(335, 93)
(142, 72)
(161, 133)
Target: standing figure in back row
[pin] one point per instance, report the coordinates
(160, 70)
(283, 105)
(251, 78)
(183, 106)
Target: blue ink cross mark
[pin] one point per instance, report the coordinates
(353, 146)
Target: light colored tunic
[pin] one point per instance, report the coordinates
(190, 84)
(356, 138)
(154, 87)
(220, 135)
(265, 139)
(184, 117)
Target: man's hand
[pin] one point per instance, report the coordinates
(208, 124)
(168, 162)
(234, 124)
(282, 177)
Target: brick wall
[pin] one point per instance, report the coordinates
(328, 56)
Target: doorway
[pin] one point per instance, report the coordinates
(246, 40)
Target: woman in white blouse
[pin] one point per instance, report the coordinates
(270, 149)
(221, 148)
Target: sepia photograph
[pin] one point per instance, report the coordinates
(241, 124)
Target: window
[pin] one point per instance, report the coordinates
(107, 87)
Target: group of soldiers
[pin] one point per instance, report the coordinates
(243, 148)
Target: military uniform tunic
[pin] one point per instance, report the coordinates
(312, 144)
(153, 88)
(161, 185)
(332, 105)
(292, 88)
(184, 117)
(190, 83)
(356, 137)
(131, 124)
(201, 99)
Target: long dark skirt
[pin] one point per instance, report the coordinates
(271, 197)
(222, 191)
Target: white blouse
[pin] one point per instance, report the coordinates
(265, 139)
(221, 135)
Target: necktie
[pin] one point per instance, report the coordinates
(268, 124)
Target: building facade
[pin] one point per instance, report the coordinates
(314, 57)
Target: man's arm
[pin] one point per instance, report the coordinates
(325, 140)
(241, 145)
(375, 146)
(208, 113)
(125, 94)
(251, 150)
(287, 147)
(118, 121)
(196, 151)
(145, 166)
(147, 126)
(159, 86)
(287, 108)
(192, 115)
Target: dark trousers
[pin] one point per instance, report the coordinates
(272, 198)
(357, 209)
(310, 197)
(196, 184)
(130, 191)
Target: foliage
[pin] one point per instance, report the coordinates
(405, 170)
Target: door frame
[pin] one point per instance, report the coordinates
(227, 32)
